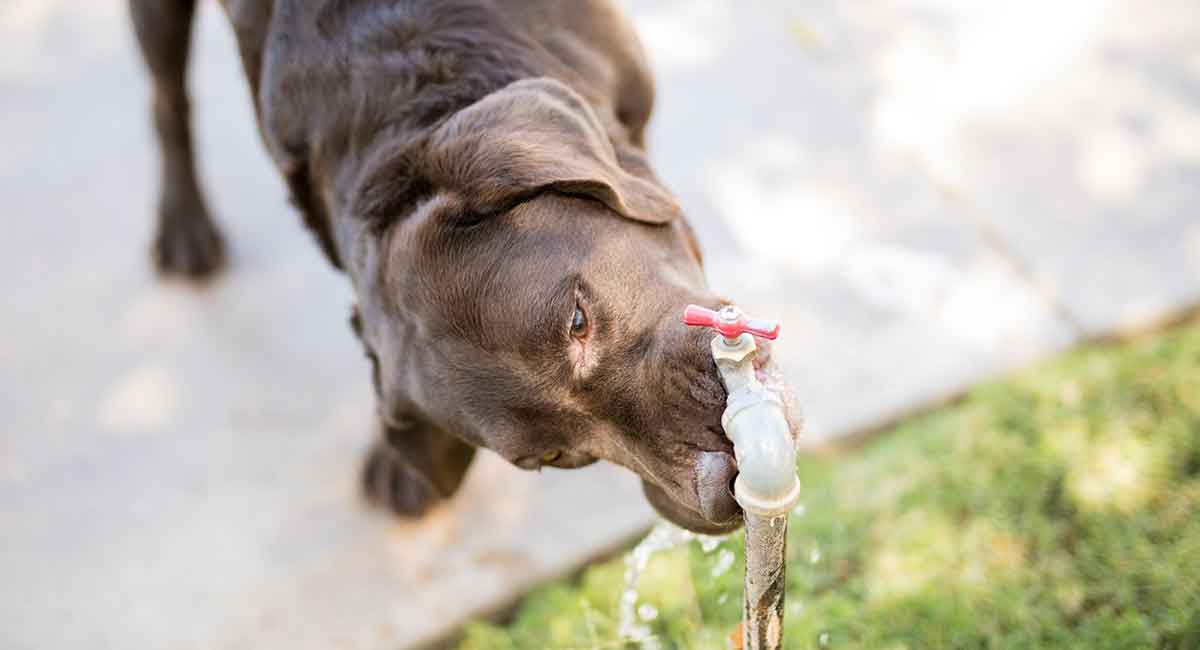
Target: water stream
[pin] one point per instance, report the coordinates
(764, 605)
(664, 536)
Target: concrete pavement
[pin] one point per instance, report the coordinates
(926, 192)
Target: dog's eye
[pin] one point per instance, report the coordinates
(551, 456)
(579, 323)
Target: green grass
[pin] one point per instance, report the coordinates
(1057, 509)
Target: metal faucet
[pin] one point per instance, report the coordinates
(766, 486)
(754, 415)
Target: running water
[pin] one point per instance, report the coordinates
(664, 536)
(633, 617)
(724, 561)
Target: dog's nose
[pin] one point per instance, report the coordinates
(715, 471)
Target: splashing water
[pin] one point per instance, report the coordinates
(663, 536)
(814, 555)
(823, 639)
(724, 560)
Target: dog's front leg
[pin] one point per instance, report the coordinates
(408, 470)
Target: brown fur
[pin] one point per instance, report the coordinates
(477, 169)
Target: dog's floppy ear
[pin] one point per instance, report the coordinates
(535, 135)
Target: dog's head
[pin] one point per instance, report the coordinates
(528, 299)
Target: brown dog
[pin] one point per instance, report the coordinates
(477, 169)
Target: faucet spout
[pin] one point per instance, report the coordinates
(766, 486)
(762, 439)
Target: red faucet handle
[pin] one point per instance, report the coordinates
(730, 322)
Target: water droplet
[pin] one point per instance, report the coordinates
(823, 639)
(722, 598)
(709, 544)
(663, 536)
(799, 510)
(814, 555)
(724, 560)
(647, 612)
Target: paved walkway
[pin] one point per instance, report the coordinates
(926, 192)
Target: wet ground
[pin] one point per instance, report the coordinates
(925, 192)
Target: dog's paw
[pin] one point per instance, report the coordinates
(188, 243)
(389, 483)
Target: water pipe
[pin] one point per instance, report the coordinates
(766, 486)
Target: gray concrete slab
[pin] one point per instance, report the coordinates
(1070, 130)
(178, 466)
(925, 192)
(765, 129)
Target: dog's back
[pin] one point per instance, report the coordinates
(328, 75)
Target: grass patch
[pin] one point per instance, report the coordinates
(1056, 509)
